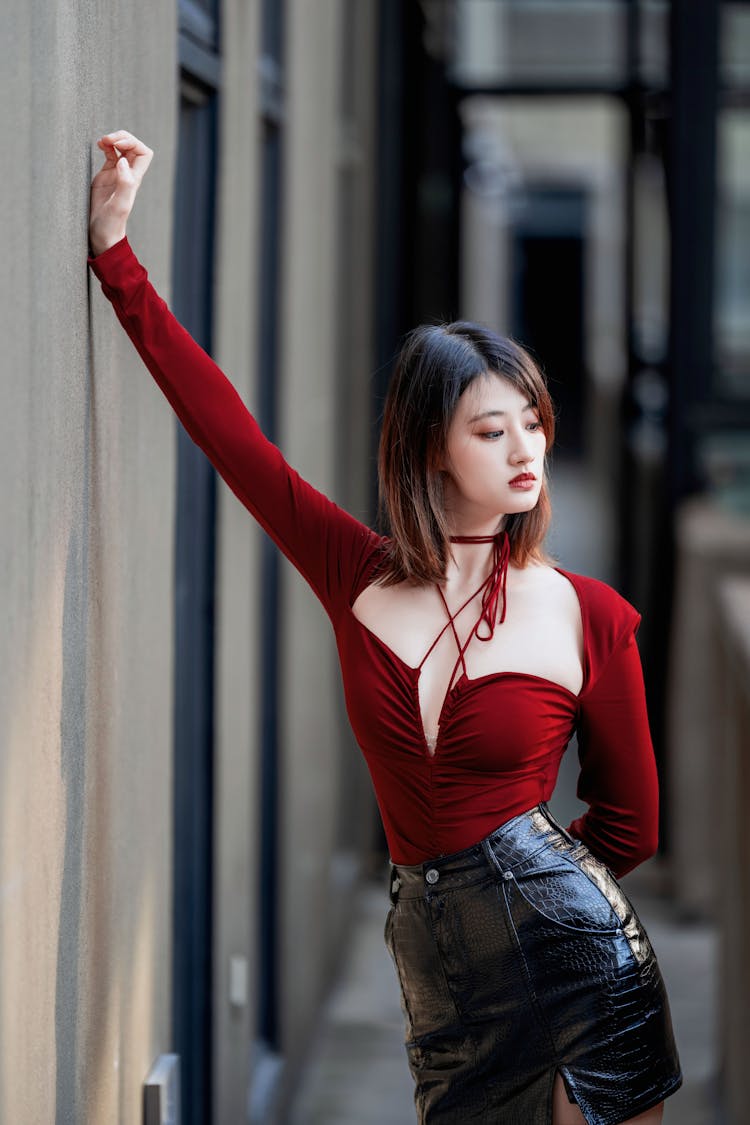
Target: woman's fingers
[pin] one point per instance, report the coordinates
(122, 143)
(124, 140)
(111, 154)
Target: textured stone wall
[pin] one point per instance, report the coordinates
(87, 470)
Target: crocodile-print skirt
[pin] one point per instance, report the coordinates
(520, 957)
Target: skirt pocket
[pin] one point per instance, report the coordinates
(559, 888)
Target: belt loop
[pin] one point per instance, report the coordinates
(394, 883)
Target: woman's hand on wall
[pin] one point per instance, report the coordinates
(114, 187)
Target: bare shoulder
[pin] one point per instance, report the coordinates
(553, 594)
(541, 578)
(405, 617)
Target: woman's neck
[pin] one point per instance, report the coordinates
(464, 526)
(469, 563)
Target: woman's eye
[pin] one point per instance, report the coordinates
(491, 435)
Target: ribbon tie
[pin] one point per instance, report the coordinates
(495, 582)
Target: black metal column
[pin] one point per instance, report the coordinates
(267, 921)
(691, 192)
(691, 182)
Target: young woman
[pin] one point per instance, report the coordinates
(530, 991)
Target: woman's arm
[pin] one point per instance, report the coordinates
(618, 778)
(325, 543)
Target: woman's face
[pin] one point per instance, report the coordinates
(494, 436)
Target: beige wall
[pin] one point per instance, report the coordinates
(312, 726)
(324, 363)
(307, 726)
(87, 465)
(237, 542)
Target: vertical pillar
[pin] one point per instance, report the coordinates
(691, 184)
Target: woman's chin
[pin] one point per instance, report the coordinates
(522, 503)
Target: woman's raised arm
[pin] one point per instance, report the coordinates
(326, 544)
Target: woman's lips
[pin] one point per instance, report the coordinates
(525, 483)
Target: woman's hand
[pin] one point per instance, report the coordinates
(114, 187)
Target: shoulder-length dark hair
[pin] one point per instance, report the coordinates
(436, 364)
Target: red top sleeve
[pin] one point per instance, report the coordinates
(327, 545)
(618, 778)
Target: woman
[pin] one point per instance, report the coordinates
(530, 990)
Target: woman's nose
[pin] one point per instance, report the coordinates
(522, 450)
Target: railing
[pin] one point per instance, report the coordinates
(730, 750)
(712, 544)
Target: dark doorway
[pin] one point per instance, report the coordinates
(547, 310)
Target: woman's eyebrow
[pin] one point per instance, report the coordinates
(497, 413)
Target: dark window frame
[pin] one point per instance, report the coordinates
(195, 575)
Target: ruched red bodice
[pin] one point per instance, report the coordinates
(501, 736)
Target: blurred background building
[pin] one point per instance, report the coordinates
(186, 826)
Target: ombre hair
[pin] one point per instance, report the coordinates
(436, 364)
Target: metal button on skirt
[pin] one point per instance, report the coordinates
(520, 957)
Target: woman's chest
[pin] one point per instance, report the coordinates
(492, 720)
(542, 633)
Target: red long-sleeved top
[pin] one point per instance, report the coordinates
(501, 735)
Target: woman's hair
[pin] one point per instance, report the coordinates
(436, 364)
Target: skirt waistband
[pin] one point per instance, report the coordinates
(502, 851)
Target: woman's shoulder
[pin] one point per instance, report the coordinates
(372, 559)
(608, 616)
(599, 595)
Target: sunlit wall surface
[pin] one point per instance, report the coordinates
(90, 592)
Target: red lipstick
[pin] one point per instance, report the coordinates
(523, 481)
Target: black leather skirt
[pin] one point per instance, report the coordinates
(518, 958)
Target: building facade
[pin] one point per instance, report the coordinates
(183, 808)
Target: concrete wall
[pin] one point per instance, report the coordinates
(88, 465)
(87, 469)
(315, 375)
(307, 727)
(324, 386)
(237, 575)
